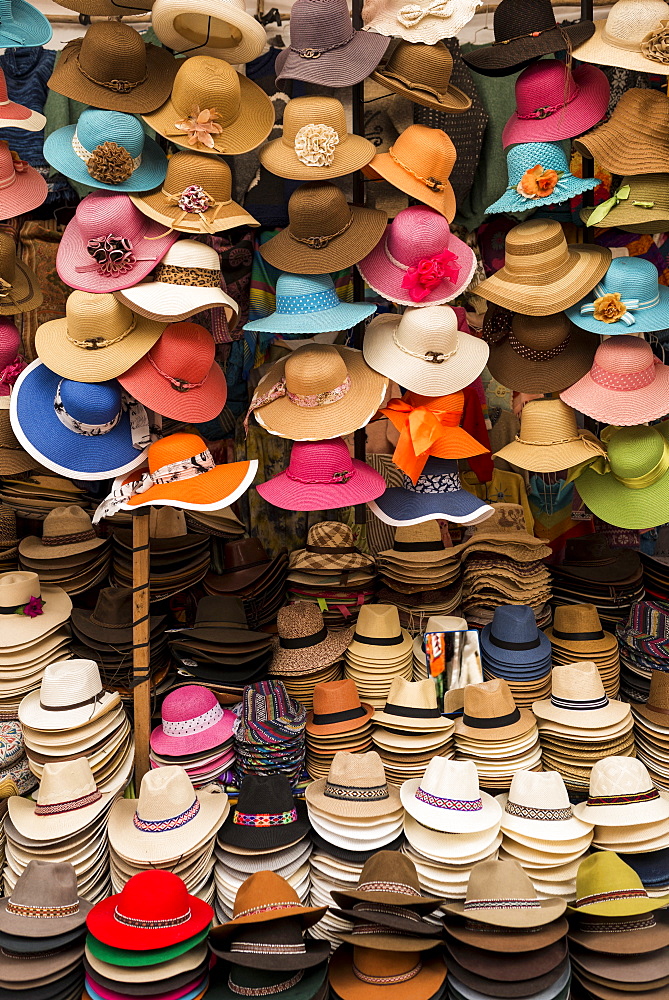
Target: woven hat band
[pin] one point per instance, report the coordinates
(633, 798)
(304, 641)
(439, 802)
(436, 546)
(401, 888)
(533, 812)
(264, 991)
(320, 242)
(494, 722)
(402, 977)
(263, 820)
(73, 539)
(533, 354)
(118, 86)
(648, 478)
(70, 805)
(42, 912)
(571, 705)
(613, 896)
(266, 948)
(166, 825)
(186, 727)
(412, 85)
(352, 793)
(621, 925)
(502, 904)
(151, 925)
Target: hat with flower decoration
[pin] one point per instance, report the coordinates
(539, 175)
(627, 299)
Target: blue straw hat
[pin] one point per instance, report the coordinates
(437, 494)
(38, 420)
(22, 25)
(534, 159)
(633, 300)
(109, 150)
(513, 637)
(308, 303)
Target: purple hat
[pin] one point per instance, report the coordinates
(325, 49)
(553, 104)
(419, 262)
(193, 721)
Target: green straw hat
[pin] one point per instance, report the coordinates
(640, 205)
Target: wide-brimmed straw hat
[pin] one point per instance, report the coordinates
(633, 36)
(422, 73)
(68, 802)
(635, 139)
(70, 695)
(23, 25)
(549, 439)
(437, 493)
(66, 531)
(655, 709)
(337, 709)
(538, 175)
(622, 793)
(447, 798)
(303, 642)
(420, 163)
(191, 27)
(20, 291)
(578, 699)
(266, 896)
(16, 115)
(639, 205)
(49, 607)
(500, 893)
(316, 143)
(490, 713)
(44, 903)
(537, 807)
(577, 628)
(541, 353)
(628, 299)
(204, 111)
(22, 188)
(378, 634)
(419, 262)
(13, 458)
(355, 788)
(346, 391)
(324, 233)
(607, 887)
(412, 706)
(112, 68)
(541, 274)
(309, 302)
(422, 22)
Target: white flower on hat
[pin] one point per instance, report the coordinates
(315, 145)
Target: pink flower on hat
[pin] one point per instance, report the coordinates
(429, 272)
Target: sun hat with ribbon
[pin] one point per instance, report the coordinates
(179, 377)
(635, 139)
(501, 894)
(185, 282)
(266, 816)
(424, 351)
(447, 798)
(195, 197)
(628, 299)
(66, 531)
(29, 610)
(191, 27)
(549, 439)
(22, 188)
(626, 385)
(43, 904)
(577, 628)
(309, 303)
(112, 68)
(607, 887)
(640, 205)
(70, 696)
(204, 111)
(19, 287)
(540, 353)
(303, 642)
(193, 722)
(437, 493)
(324, 233)
(539, 175)
(262, 897)
(68, 802)
(107, 149)
(537, 807)
(554, 103)
(181, 473)
(16, 115)
(88, 431)
(419, 262)
(578, 699)
(633, 36)
(420, 163)
(622, 793)
(427, 21)
(541, 273)
(423, 74)
(22, 25)
(316, 143)
(318, 390)
(106, 247)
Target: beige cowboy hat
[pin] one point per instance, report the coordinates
(68, 802)
(537, 807)
(71, 522)
(70, 696)
(501, 894)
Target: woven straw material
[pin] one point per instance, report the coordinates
(17, 115)
(229, 32)
(310, 304)
(645, 210)
(544, 354)
(623, 778)
(26, 26)
(574, 619)
(204, 82)
(420, 163)
(424, 22)
(425, 534)
(580, 682)
(541, 274)
(489, 701)
(68, 683)
(549, 439)
(326, 536)
(645, 301)
(456, 781)
(300, 621)
(24, 293)
(62, 781)
(353, 771)
(20, 191)
(531, 799)
(423, 74)
(617, 40)
(526, 157)
(635, 139)
(324, 233)
(351, 152)
(108, 8)
(61, 522)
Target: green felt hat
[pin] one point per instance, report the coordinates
(120, 956)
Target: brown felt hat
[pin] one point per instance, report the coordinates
(635, 139)
(19, 288)
(541, 354)
(422, 73)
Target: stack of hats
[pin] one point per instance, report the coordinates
(151, 935)
(656, 567)
(9, 548)
(577, 634)
(67, 822)
(339, 721)
(450, 824)
(178, 559)
(218, 524)
(410, 730)
(263, 946)
(219, 649)
(611, 579)
(69, 553)
(512, 647)
(580, 725)
(267, 830)
(332, 573)
(503, 941)
(379, 652)
(195, 732)
(249, 574)
(496, 735)
(643, 647)
(503, 565)
(34, 496)
(542, 833)
(42, 929)
(72, 716)
(651, 729)
(269, 734)
(419, 575)
(305, 652)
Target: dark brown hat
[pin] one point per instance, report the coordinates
(391, 879)
(511, 940)
(278, 944)
(541, 354)
(514, 967)
(244, 561)
(591, 558)
(111, 620)
(221, 620)
(422, 73)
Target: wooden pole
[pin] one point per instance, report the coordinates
(140, 638)
(358, 108)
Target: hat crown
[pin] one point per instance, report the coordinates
(91, 403)
(457, 779)
(265, 793)
(66, 781)
(7, 167)
(113, 607)
(497, 881)
(390, 866)
(97, 127)
(10, 341)
(632, 278)
(338, 696)
(103, 214)
(580, 681)
(421, 65)
(154, 895)
(416, 233)
(46, 884)
(174, 448)
(184, 169)
(377, 621)
(507, 518)
(514, 623)
(113, 51)
(330, 535)
(545, 84)
(489, 700)
(87, 313)
(204, 82)
(430, 328)
(535, 247)
(413, 694)
(379, 964)
(572, 619)
(522, 17)
(321, 461)
(296, 621)
(619, 776)
(305, 293)
(313, 369)
(314, 23)
(445, 623)
(659, 690)
(70, 682)
(625, 355)
(429, 152)
(628, 21)
(71, 520)
(189, 253)
(188, 702)
(539, 790)
(648, 187)
(635, 451)
(221, 611)
(317, 209)
(303, 111)
(242, 553)
(184, 351)
(541, 332)
(264, 891)
(17, 588)
(7, 258)
(353, 770)
(604, 872)
(547, 421)
(165, 792)
(527, 155)
(167, 522)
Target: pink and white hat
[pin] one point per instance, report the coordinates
(627, 385)
(322, 475)
(553, 104)
(11, 362)
(110, 245)
(193, 721)
(419, 262)
(15, 115)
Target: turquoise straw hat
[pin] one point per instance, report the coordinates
(109, 150)
(308, 303)
(628, 299)
(533, 166)
(22, 25)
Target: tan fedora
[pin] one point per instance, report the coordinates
(549, 439)
(420, 163)
(355, 788)
(19, 287)
(378, 634)
(422, 73)
(491, 715)
(577, 628)
(412, 707)
(67, 531)
(501, 894)
(635, 139)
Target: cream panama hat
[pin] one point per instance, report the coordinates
(633, 36)
(71, 695)
(447, 798)
(578, 699)
(378, 635)
(68, 802)
(194, 27)
(622, 793)
(355, 788)
(412, 707)
(538, 807)
(29, 611)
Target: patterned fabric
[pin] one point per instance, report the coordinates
(42, 912)
(264, 819)
(502, 904)
(446, 482)
(387, 980)
(624, 800)
(614, 894)
(532, 812)
(194, 277)
(618, 926)
(268, 908)
(460, 805)
(152, 924)
(350, 794)
(397, 887)
(167, 825)
(55, 808)
(264, 991)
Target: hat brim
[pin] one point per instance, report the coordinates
(156, 207)
(45, 556)
(645, 320)
(199, 404)
(343, 316)
(547, 911)
(451, 102)
(316, 952)
(288, 254)
(13, 115)
(106, 930)
(62, 720)
(582, 113)
(617, 504)
(621, 409)
(513, 940)
(519, 657)
(523, 375)
(315, 796)
(524, 725)
(568, 187)
(29, 189)
(348, 726)
(60, 154)
(288, 494)
(507, 57)
(34, 828)
(20, 630)
(328, 651)
(612, 715)
(243, 44)
(208, 739)
(165, 303)
(383, 166)
(597, 50)
(308, 916)
(125, 959)
(352, 153)
(400, 507)
(26, 293)
(343, 66)
(449, 820)
(348, 986)
(219, 487)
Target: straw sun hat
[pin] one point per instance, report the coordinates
(22, 188)
(633, 36)
(635, 139)
(17, 590)
(549, 439)
(628, 299)
(420, 163)
(640, 205)
(538, 176)
(191, 27)
(541, 353)
(424, 22)
(20, 287)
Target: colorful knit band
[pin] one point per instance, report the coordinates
(152, 925)
(461, 805)
(264, 819)
(650, 795)
(165, 825)
(55, 808)
(612, 896)
(42, 912)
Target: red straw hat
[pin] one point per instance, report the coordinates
(179, 376)
(22, 188)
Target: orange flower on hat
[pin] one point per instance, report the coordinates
(201, 126)
(609, 308)
(537, 182)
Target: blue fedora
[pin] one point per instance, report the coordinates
(633, 294)
(308, 303)
(108, 150)
(437, 493)
(652, 867)
(79, 429)
(512, 637)
(532, 157)
(22, 25)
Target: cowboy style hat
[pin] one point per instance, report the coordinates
(263, 897)
(537, 807)
(70, 696)
(266, 815)
(68, 802)
(499, 893)
(191, 27)
(607, 887)
(44, 904)
(29, 610)
(278, 945)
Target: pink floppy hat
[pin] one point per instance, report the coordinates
(552, 103)
(110, 245)
(193, 721)
(22, 188)
(11, 362)
(627, 384)
(321, 475)
(419, 262)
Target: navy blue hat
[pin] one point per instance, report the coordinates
(438, 493)
(652, 867)
(513, 637)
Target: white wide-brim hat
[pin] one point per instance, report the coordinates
(451, 847)
(447, 820)
(227, 31)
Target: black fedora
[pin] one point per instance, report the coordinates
(266, 815)
(277, 944)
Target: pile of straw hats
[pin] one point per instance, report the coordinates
(580, 725)
(379, 652)
(591, 571)
(269, 735)
(69, 554)
(450, 824)
(42, 928)
(72, 716)
(410, 730)
(247, 572)
(169, 826)
(196, 733)
(503, 941)
(9, 549)
(178, 559)
(643, 646)
(67, 822)
(651, 728)
(577, 634)
(151, 935)
(305, 653)
(542, 833)
(513, 648)
(339, 721)
(267, 830)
